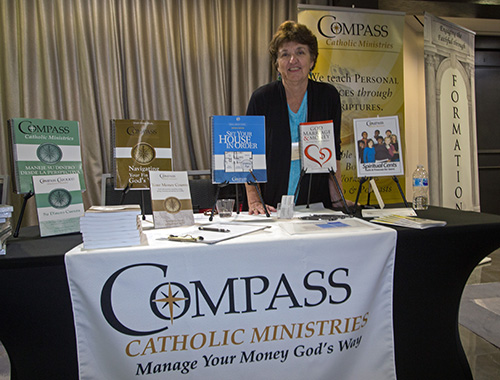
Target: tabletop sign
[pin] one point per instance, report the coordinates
(379, 149)
(317, 147)
(59, 203)
(170, 199)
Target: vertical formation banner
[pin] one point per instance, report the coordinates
(450, 103)
(361, 54)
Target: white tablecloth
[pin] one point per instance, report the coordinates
(266, 305)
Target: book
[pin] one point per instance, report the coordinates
(409, 221)
(44, 147)
(317, 147)
(59, 203)
(112, 227)
(379, 150)
(170, 199)
(139, 146)
(238, 149)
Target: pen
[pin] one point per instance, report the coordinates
(213, 229)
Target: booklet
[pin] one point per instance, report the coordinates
(59, 203)
(408, 221)
(139, 146)
(171, 199)
(238, 149)
(317, 147)
(379, 148)
(44, 147)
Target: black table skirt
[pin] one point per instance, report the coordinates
(431, 269)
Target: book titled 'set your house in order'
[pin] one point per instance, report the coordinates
(238, 149)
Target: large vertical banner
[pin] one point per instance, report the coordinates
(451, 126)
(361, 54)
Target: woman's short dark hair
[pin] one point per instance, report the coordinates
(295, 32)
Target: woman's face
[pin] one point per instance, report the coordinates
(294, 61)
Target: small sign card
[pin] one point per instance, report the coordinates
(379, 149)
(317, 147)
(170, 199)
(59, 203)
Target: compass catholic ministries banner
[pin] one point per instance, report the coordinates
(267, 305)
(361, 54)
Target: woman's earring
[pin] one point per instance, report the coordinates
(279, 75)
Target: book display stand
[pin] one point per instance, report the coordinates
(362, 180)
(26, 196)
(219, 187)
(335, 181)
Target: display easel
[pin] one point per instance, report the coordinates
(125, 191)
(394, 178)
(335, 181)
(23, 208)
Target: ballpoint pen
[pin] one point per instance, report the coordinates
(213, 229)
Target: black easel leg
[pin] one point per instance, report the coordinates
(401, 191)
(302, 172)
(215, 204)
(237, 199)
(25, 200)
(332, 173)
(309, 190)
(361, 182)
(142, 205)
(254, 183)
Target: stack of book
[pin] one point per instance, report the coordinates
(5, 226)
(112, 226)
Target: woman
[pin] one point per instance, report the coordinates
(286, 103)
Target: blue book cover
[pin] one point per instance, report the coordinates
(238, 148)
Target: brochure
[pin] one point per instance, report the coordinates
(171, 199)
(59, 203)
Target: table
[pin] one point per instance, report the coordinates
(432, 267)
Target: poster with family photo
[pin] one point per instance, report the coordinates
(378, 148)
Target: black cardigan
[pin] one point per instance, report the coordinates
(323, 103)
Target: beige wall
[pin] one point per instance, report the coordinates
(415, 120)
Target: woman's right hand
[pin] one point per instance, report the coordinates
(256, 208)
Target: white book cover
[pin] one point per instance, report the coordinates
(59, 203)
(317, 147)
(379, 148)
(170, 199)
